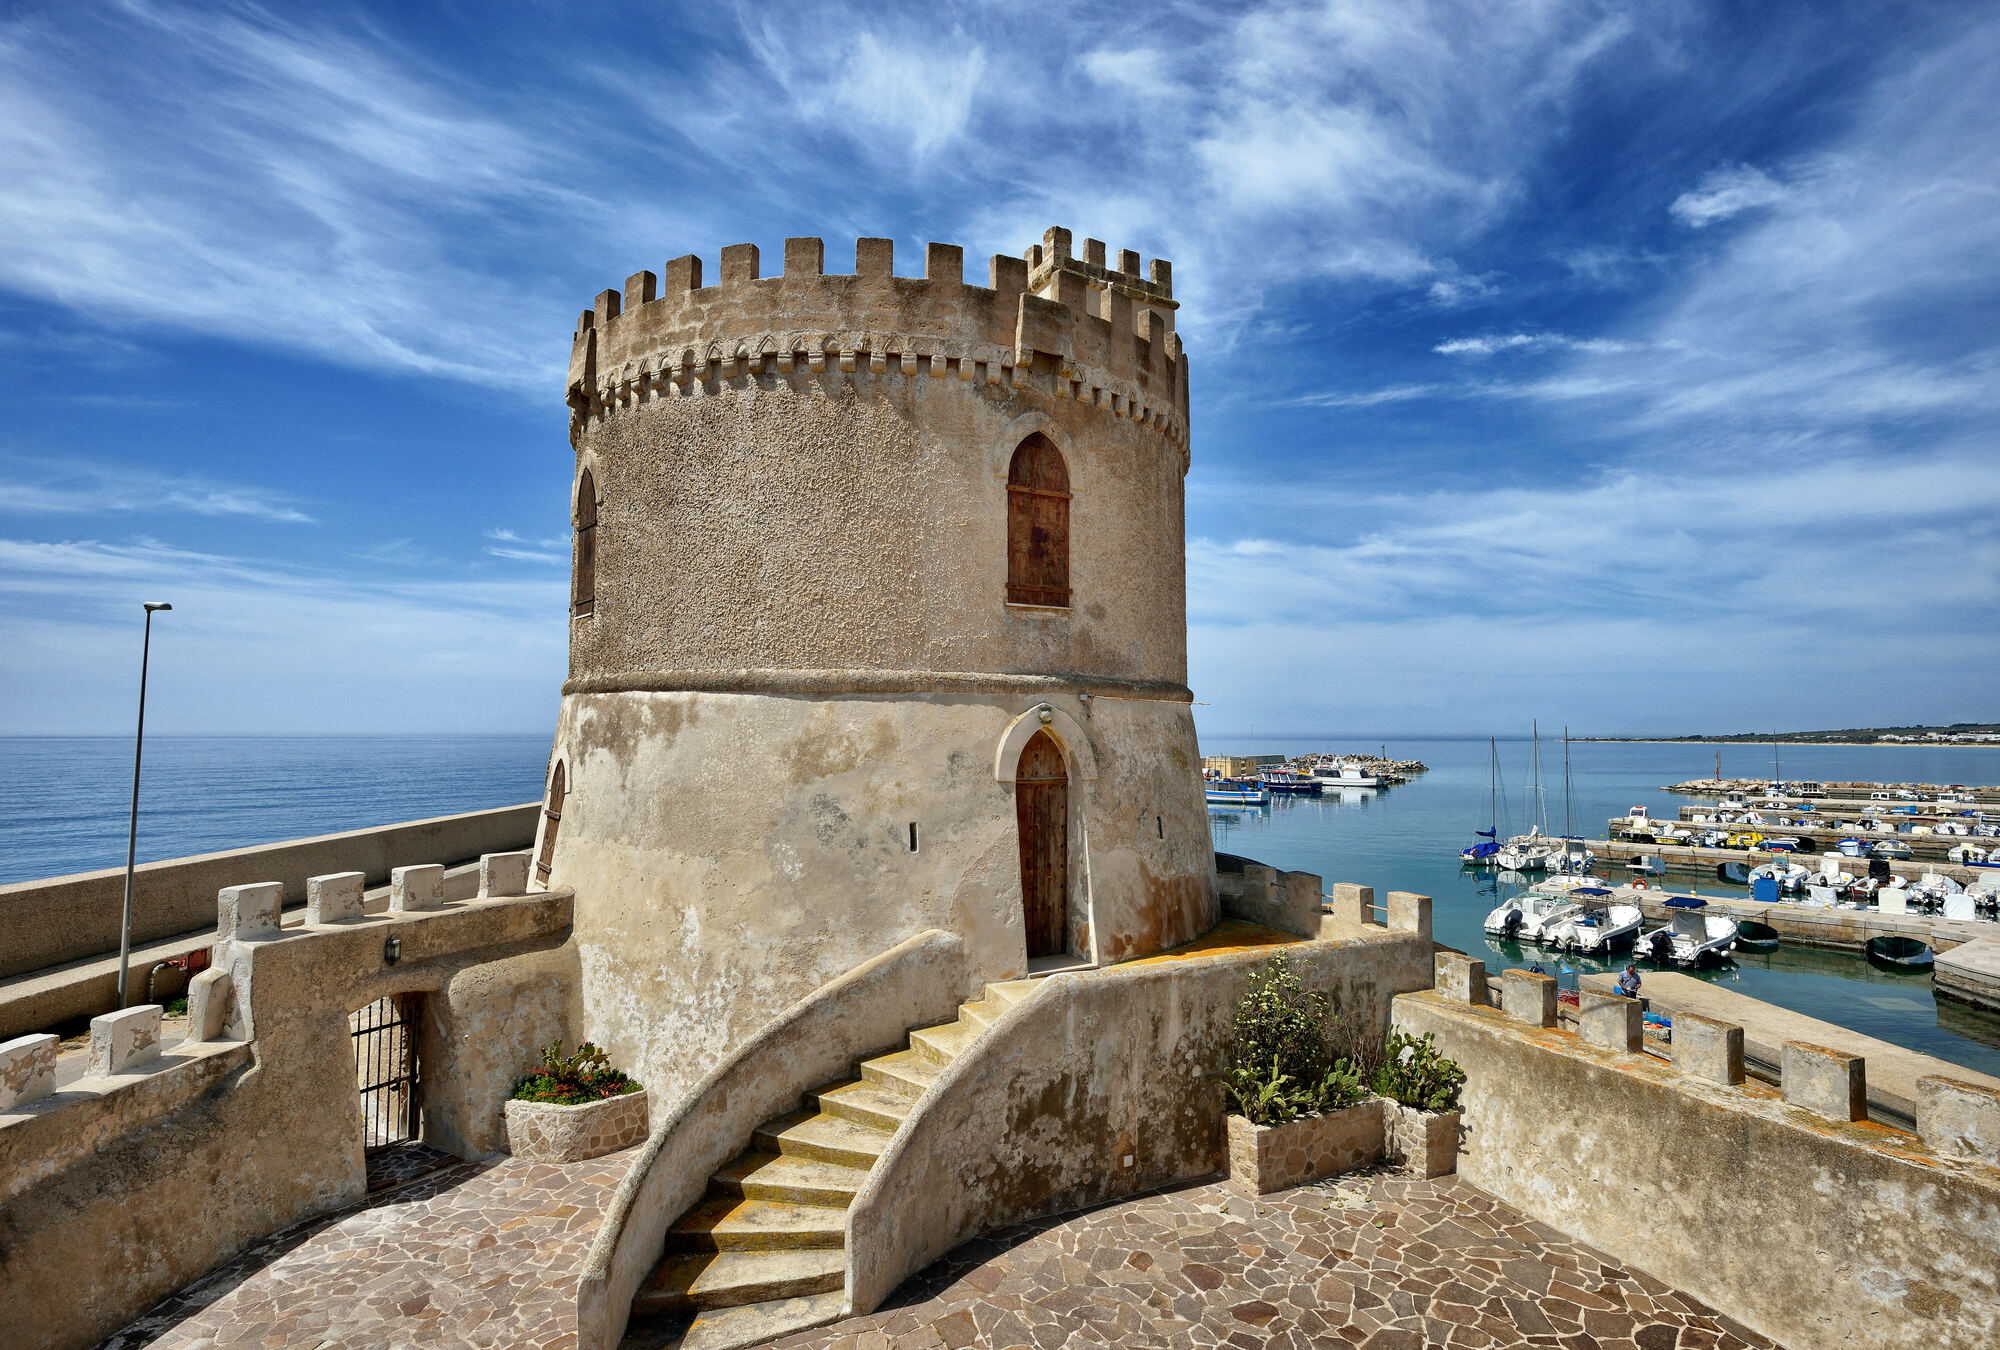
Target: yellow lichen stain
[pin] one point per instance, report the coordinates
(1927, 1300)
(1227, 938)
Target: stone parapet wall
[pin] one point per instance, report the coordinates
(1098, 1085)
(1774, 1206)
(120, 1188)
(68, 918)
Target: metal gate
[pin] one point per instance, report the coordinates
(385, 1068)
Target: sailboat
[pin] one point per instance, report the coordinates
(1530, 852)
(1573, 857)
(1484, 852)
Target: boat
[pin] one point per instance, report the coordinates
(1290, 782)
(1525, 853)
(1966, 855)
(1488, 848)
(1568, 884)
(1852, 848)
(1345, 775)
(1754, 936)
(1572, 857)
(1890, 848)
(1598, 926)
(1527, 917)
(1930, 890)
(1892, 950)
(1237, 792)
(1790, 876)
(1690, 937)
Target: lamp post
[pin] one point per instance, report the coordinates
(132, 834)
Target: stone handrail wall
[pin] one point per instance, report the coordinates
(122, 1187)
(1042, 1112)
(68, 918)
(1106, 335)
(1786, 1207)
(866, 1011)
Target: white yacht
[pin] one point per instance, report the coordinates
(1597, 927)
(1528, 916)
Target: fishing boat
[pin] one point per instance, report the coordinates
(1345, 775)
(1754, 936)
(1290, 782)
(1237, 792)
(1598, 926)
(1892, 950)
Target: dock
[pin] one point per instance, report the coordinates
(1892, 1071)
(1970, 974)
(1922, 815)
(1761, 787)
(1841, 930)
(1923, 847)
(1699, 861)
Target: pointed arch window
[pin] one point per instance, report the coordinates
(1038, 525)
(583, 576)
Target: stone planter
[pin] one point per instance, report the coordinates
(545, 1132)
(1424, 1142)
(1266, 1158)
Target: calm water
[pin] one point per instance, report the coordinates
(64, 800)
(1407, 838)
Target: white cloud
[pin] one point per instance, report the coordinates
(1726, 192)
(43, 487)
(1493, 344)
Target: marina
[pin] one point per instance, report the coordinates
(1410, 837)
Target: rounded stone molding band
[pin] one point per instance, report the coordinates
(816, 683)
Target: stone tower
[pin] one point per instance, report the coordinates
(878, 626)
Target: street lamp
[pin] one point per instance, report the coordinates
(132, 835)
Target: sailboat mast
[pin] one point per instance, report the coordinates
(1538, 806)
(1567, 831)
(1493, 784)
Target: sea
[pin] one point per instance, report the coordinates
(64, 804)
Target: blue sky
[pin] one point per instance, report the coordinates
(1633, 366)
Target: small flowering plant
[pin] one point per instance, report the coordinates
(574, 1079)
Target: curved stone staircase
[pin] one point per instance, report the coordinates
(764, 1251)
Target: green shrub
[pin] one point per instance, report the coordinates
(1415, 1074)
(1283, 1064)
(176, 1007)
(572, 1080)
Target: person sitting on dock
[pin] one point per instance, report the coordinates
(1628, 983)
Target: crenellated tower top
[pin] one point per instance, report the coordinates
(1087, 331)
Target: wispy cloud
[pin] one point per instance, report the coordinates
(1493, 344)
(507, 544)
(1726, 192)
(46, 487)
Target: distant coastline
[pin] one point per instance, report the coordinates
(1974, 735)
(1744, 740)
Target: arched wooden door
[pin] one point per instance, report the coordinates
(552, 820)
(1041, 811)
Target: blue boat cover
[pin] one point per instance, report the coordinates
(1765, 889)
(1685, 902)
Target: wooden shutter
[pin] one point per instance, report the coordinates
(583, 578)
(1041, 814)
(551, 821)
(1038, 525)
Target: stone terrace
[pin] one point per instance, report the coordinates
(484, 1255)
(1373, 1259)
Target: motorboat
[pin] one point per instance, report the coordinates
(1690, 937)
(1892, 950)
(1597, 926)
(1236, 792)
(1754, 936)
(1831, 873)
(1345, 775)
(1966, 855)
(1890, 848)
(1569, 884)
(1290, 782)
(1930, 889)
(1527, 917)
(1790, 876)
(1852, 848)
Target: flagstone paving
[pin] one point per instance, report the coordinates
(485, 1254)
(1375, 1260)
(478, 1254)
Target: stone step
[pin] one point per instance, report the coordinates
(755, 1323)
(729, 1223)
(905, 1070)
(1012, 991)
(984, 1012)
(867, 1103)
(706, 1280)
(941, 1045)
(813, 1134)
(800, 1181)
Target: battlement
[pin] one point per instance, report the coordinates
(1093, 333)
